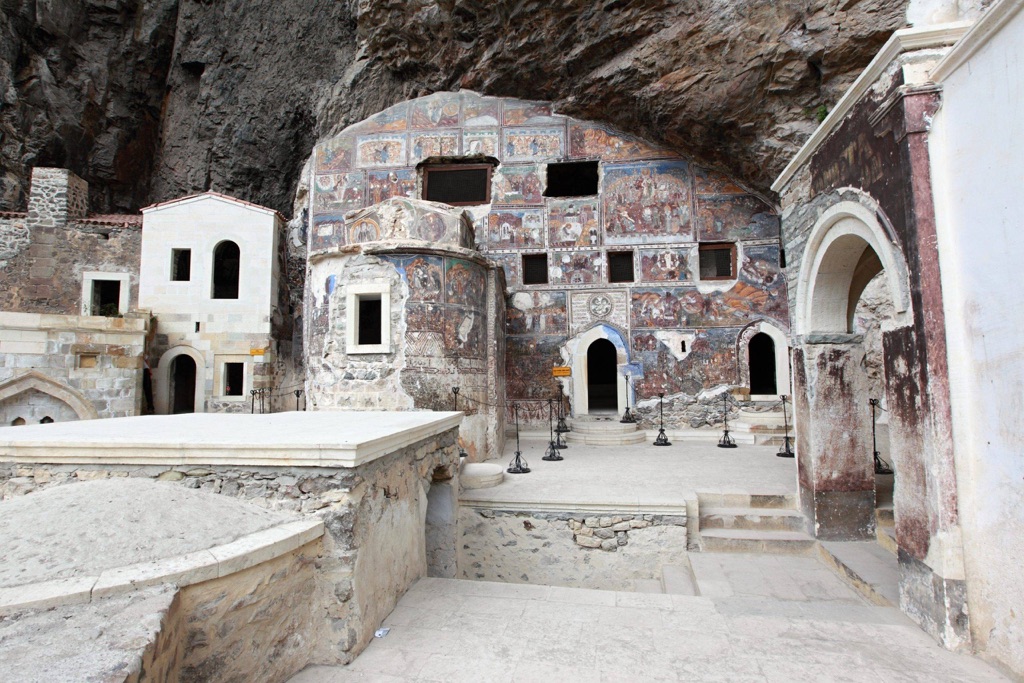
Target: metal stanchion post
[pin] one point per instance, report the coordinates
(787, 448)
(881, 466)
(462, 451)
(627, 417)
(518, 464)
(551, 454)
(726, 441)
(662, 438)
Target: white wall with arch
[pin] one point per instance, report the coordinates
(162, 379)
(575, 355)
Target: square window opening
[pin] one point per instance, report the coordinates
(620, 266)
(535, 269)
(457, 184)
(106, 298)
(572, 179)
(369, 321)
(717, 261)
(234, 379)
(87, 360)
(181, 265)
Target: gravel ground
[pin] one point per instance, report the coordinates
(82, 529)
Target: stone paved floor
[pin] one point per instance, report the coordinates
(638, 475)
(449, 630)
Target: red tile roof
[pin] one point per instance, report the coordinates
(115, 219)
(211, 193)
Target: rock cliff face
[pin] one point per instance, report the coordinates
(147, 99)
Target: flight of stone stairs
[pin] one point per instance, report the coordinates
(743, 523)
(603, 430)
(764, 428)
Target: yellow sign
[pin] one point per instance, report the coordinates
(561, 371)
(257, 352)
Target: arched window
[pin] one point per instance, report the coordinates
(46, 420)
(226, 257)
(18, 421)
(762, 364)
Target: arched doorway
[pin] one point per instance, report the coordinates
(602, 390)
(183, 384)
(761, 359)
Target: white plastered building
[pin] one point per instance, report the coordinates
(209, 273)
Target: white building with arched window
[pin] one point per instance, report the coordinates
(210, 273)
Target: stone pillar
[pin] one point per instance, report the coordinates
(833, 436)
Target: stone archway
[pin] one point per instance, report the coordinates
(163, 379)
(781, 343)
(846, 248)
(576, 353)
(36, 381)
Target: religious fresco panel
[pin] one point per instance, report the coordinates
(423, 274)
(437, 111)
(712, 182)
(517, 186)
(464, 333)
(593, 141)
(574, 223)
(363, 228)
(464, 282)
(709, 362)
(482, 142)
(759, 269)
(520, 113)
(425, 145)
(735, 218)
(480, 111)
(423, 317)
(510, 263)
(536, 313)
(328, 231)
(529, 144)
(394, 118)
(655, 307)
(400, 182)
(647, 202)
(576, 267)
(670, 264)
(508, 228)
(339, 193)
(590, 307)
(334, 155)
(380, 150)
(528, 363)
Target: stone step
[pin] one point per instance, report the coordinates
(481, 475)
(768, 519)
(647, 586)
(773, 501)
(867, 567)
(886, 537)
(589, 439)
(884, 516)
(756, 541)
(601, 427)
(678, 580)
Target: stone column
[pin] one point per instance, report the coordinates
(833, 436)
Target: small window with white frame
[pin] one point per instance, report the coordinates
(105, 294)
(368, 318)
(232, 376)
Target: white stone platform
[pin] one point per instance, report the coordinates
(294, 439)
(637, 478)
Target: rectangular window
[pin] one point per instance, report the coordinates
(106, 297)
(234, 379)
(457, 184)
(535, 269)
(620, 266)
(717, 261)
(368, 318)
(87, 360)
(572, 179)
(181, 265)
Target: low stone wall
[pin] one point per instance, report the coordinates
(607, 552)
(374, 514)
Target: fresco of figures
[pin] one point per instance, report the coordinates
(536, 313)
(574, 223)
(648, 202)
(515, 228)
(711, 361)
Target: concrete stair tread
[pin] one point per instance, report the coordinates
(602, 427)
(678, 580)
(647, 586)
(756, 534)
(868, 563)
(766, 519)
(750, 511)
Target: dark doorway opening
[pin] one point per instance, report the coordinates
(183, 385)
(602, 391)
(226, 261)
(762, 365)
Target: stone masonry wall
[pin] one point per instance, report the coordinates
(607, 552)
(374, 548)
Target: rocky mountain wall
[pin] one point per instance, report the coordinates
(149, 99)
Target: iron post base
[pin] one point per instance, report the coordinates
(627, 418)
(662, 438)
(726, 441)
(787, 450)
(552, 454)
(518, 465)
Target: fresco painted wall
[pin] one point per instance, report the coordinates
(650, 201)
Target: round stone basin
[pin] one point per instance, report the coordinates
(481, 475)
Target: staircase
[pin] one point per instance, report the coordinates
(603, 430)
(764, 428)
(752, 524)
